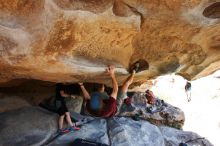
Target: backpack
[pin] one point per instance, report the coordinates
(83, 142)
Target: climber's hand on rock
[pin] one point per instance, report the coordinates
(80, 83)
(111, 70)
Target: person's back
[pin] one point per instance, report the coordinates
(100, 89)
(188, 86)
(95, 105)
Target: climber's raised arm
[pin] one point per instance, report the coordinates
(85, 92)
(111, 71)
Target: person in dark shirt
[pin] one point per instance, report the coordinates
(188, 91)
(97, 106)
(62, 108)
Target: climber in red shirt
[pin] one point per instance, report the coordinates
(99, 107)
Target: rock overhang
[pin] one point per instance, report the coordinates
(69, 41)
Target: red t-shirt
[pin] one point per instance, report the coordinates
(109, 110)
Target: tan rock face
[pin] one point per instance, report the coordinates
(70, 41)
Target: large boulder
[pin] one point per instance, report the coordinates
(74, 105)
(26, 126)
(95, 130)
(9, 102)
(36, 126)
(174, 137)
(127, 132)
(160, 114)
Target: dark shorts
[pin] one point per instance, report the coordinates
(62, 109)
